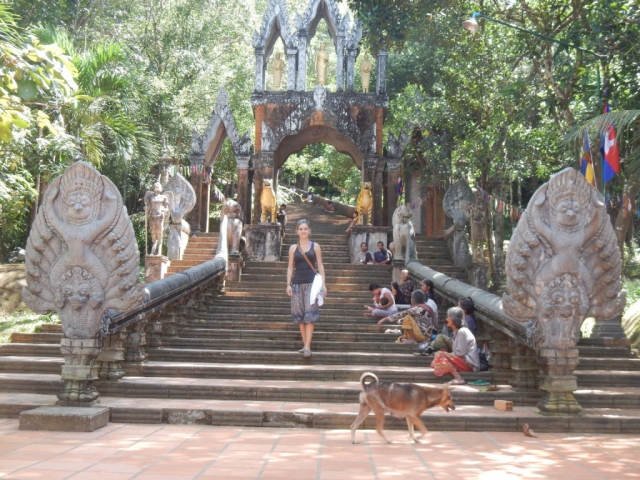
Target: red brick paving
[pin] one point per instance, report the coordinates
(185, 452)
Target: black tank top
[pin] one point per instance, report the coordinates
(303, 272)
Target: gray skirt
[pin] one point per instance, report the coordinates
(301, 310)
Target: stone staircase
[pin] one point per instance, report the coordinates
(237, 363)
(200, 248)
(434, 253)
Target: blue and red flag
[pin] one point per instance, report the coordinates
(586, 165)
(400, 186)
(609, 150)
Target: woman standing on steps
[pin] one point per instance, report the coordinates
(300, 275)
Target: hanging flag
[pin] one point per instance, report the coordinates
(586, 166)
(400, 188)
(609, 150)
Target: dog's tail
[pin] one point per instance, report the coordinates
(366, 375)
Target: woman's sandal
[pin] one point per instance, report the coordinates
(306, 353)
(456, 381)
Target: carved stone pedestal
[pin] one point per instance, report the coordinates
(264, 242)
(178, 239)
(234, 268)
(79, 371)
(155, 267)
(610, 329)
(558, 381)
(396, 269)
(135, 342)
(64, 419)
(111, 356)
(477, 273)
(369, 235)
(525, 366)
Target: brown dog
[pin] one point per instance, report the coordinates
(402, 400)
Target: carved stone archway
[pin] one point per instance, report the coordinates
(204, 152)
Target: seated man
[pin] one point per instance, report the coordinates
(281, 216)
(417, 322)
(365, 256)
(381, 256)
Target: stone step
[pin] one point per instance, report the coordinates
(309, 390)
(335, 415)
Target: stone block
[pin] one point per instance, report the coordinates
(155, 267)
(264, 242)
(64, 419)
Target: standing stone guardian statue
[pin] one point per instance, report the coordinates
(477, 213)
(402, 231)
(156, 206)
(277, 66)
(322, 60)
(235, 240)
(563, 265)
(365, 73)
(181, 198)
(82, 260)
(456, 203)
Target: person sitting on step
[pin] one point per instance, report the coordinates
(365, 257)
(379, 310)
(417, 322)
(468, 307)
(406, 287)
(330, 207)
(464, 352)
(381, 256)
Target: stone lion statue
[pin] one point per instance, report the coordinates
(267, 202)
(234, 214)
(364, 206)
(402, 228)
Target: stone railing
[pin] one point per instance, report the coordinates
(341, 208)
(512, 352)
(167, 305)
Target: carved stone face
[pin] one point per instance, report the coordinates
(567, 213)
(79, 208)
(157, 187)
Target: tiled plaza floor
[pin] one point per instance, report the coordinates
(184, 452)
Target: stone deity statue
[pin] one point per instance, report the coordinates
(477, 213)
(322, 59)
(82, 260)
(156, 206)
(277, 66)
(365, 73)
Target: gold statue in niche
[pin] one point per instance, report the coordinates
(277, 66)
(365, 73)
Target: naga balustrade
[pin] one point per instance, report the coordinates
(167, 305)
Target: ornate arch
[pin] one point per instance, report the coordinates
(275, 23)
(221, 126)
(317, 10)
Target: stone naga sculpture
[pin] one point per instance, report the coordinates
(563, 265)
(477, 214)
(235, 240)
(456, 203)
(364, 205)
(181, 199)
(82, 260)
(156, 205)
(267, 202)
(402, 231)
